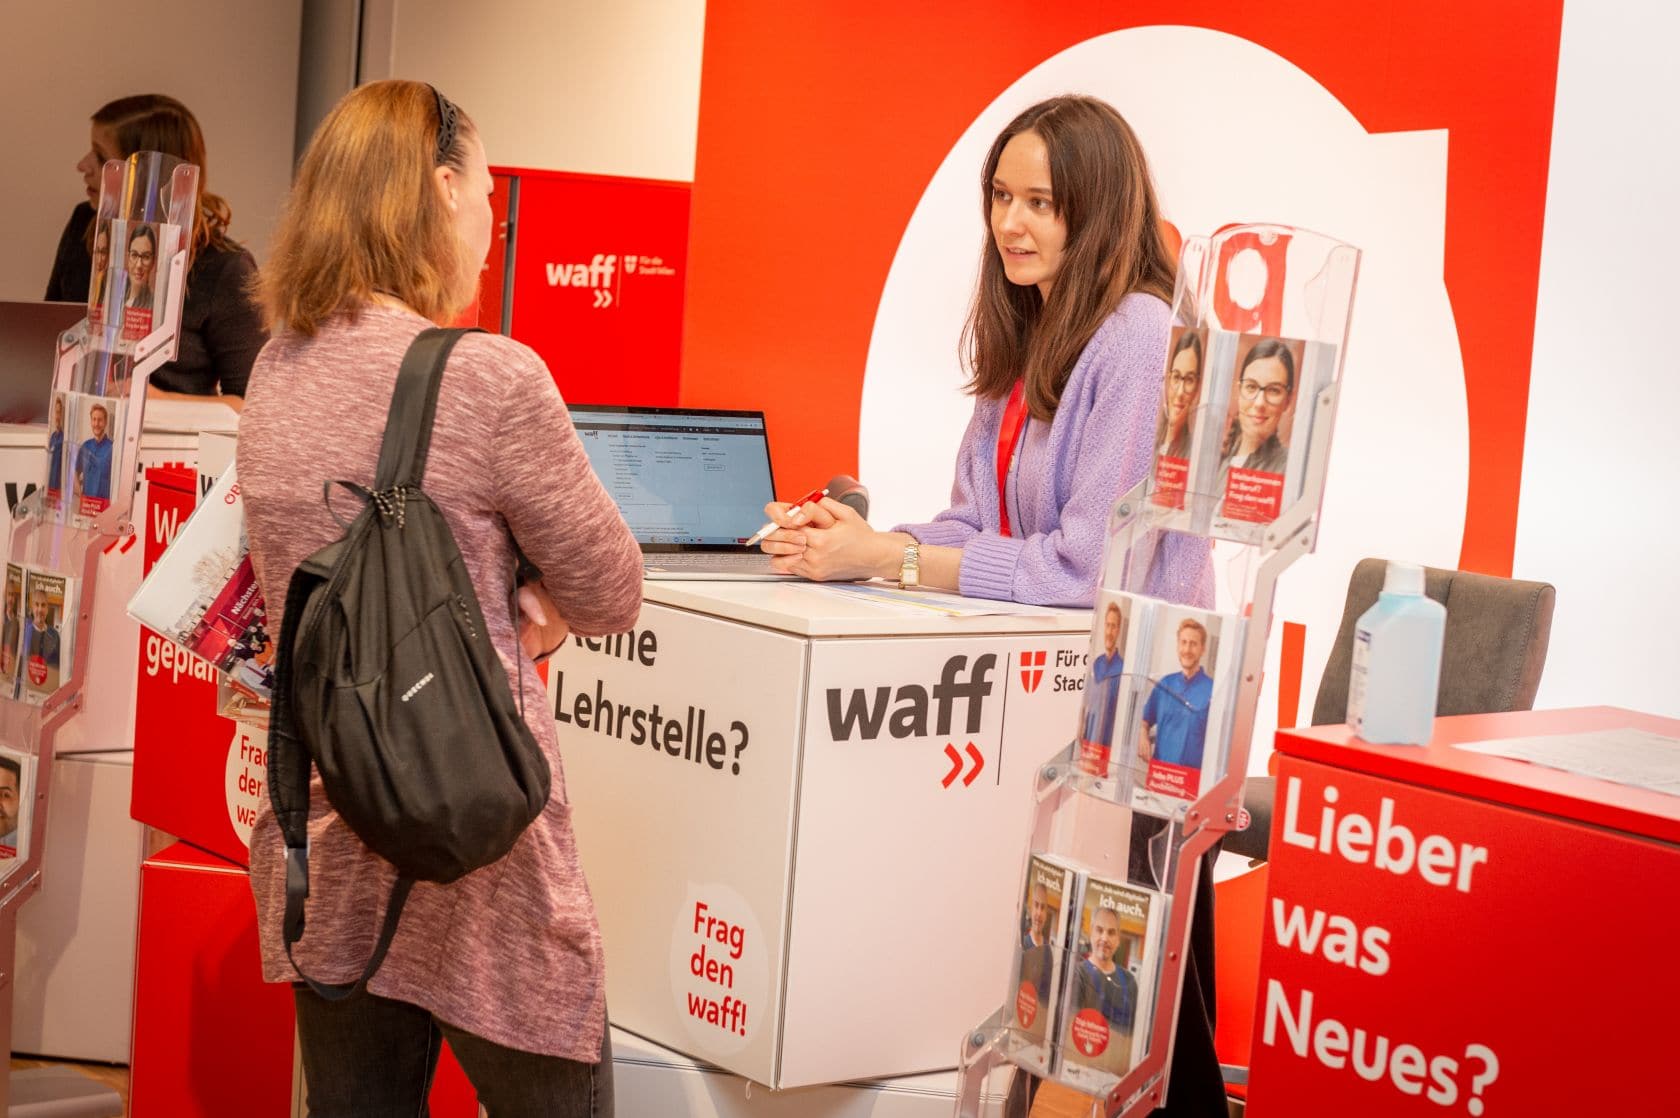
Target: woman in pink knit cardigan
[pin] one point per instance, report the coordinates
(385, 235)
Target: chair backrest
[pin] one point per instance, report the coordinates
(1495, 646)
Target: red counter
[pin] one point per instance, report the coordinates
(1453, 933)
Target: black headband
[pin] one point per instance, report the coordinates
(448, 120)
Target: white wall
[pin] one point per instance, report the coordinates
(232, 62)
(1600, 511)
(601, 88)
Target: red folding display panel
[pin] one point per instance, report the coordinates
(197, 776)
(598, 274)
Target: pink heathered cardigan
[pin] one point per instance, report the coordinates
(511, 952)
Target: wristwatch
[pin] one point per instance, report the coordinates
(910, 570)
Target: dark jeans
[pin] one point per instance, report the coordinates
(371, 1057)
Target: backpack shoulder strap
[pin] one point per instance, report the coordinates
(408, 425)
(387, 932)
(289, 762)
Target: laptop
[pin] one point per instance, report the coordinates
(691, 483)
(28, 354)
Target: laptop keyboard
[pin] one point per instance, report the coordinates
(719, 561)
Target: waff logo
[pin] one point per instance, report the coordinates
(1032, 670)
(596, 275)
(957, 765)
(865, 712)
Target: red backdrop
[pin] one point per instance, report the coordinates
(598, 274)
(820, 126)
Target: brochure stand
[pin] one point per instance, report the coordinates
(59, 533)
(1123, 816)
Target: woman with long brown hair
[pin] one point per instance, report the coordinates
(384, 236)
(221, 329)
(1065, 345)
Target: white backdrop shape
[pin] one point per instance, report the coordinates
(1234, 132)
(1600, 464)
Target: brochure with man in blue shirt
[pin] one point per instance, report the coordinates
(1103, 689)
(1175, 716)
(93, 461)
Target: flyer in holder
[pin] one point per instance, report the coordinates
(49, 632)
(203, 593)
(17, 781)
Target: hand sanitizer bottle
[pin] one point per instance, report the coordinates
(1397, 662)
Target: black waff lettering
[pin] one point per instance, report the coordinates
(911, 703)
(858, 713)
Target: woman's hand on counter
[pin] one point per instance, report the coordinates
(833, 542)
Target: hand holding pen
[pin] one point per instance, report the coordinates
(796, 513)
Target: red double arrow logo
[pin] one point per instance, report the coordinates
(957, 764)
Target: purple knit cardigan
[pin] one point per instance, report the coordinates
(1067, 477)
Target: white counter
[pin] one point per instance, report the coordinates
(839, 786)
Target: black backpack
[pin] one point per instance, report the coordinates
(386, 681)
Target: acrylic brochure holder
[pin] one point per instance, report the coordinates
(60, 531)
(1124, 815)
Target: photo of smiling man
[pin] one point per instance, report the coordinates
(1045, 908)
(17, 778)
(1104, 686)
(11, 789)
(1180, 727)
(93, 461)
(1175, 714)
(1110, 983)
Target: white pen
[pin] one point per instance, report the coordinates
(813, 495)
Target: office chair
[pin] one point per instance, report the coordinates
(1491, 660)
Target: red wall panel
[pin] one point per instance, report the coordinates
(598, 275)
(821, 126)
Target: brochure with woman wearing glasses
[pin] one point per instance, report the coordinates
(1181, 393)
(1253, 453)
(1268, 430)
(146, 248)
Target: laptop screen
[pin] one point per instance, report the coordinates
(684, 480)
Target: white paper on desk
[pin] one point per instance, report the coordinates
(1625, 756)
(923, 601)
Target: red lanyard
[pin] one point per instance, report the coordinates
(1009, 433)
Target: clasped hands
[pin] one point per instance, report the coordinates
(827, 541)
